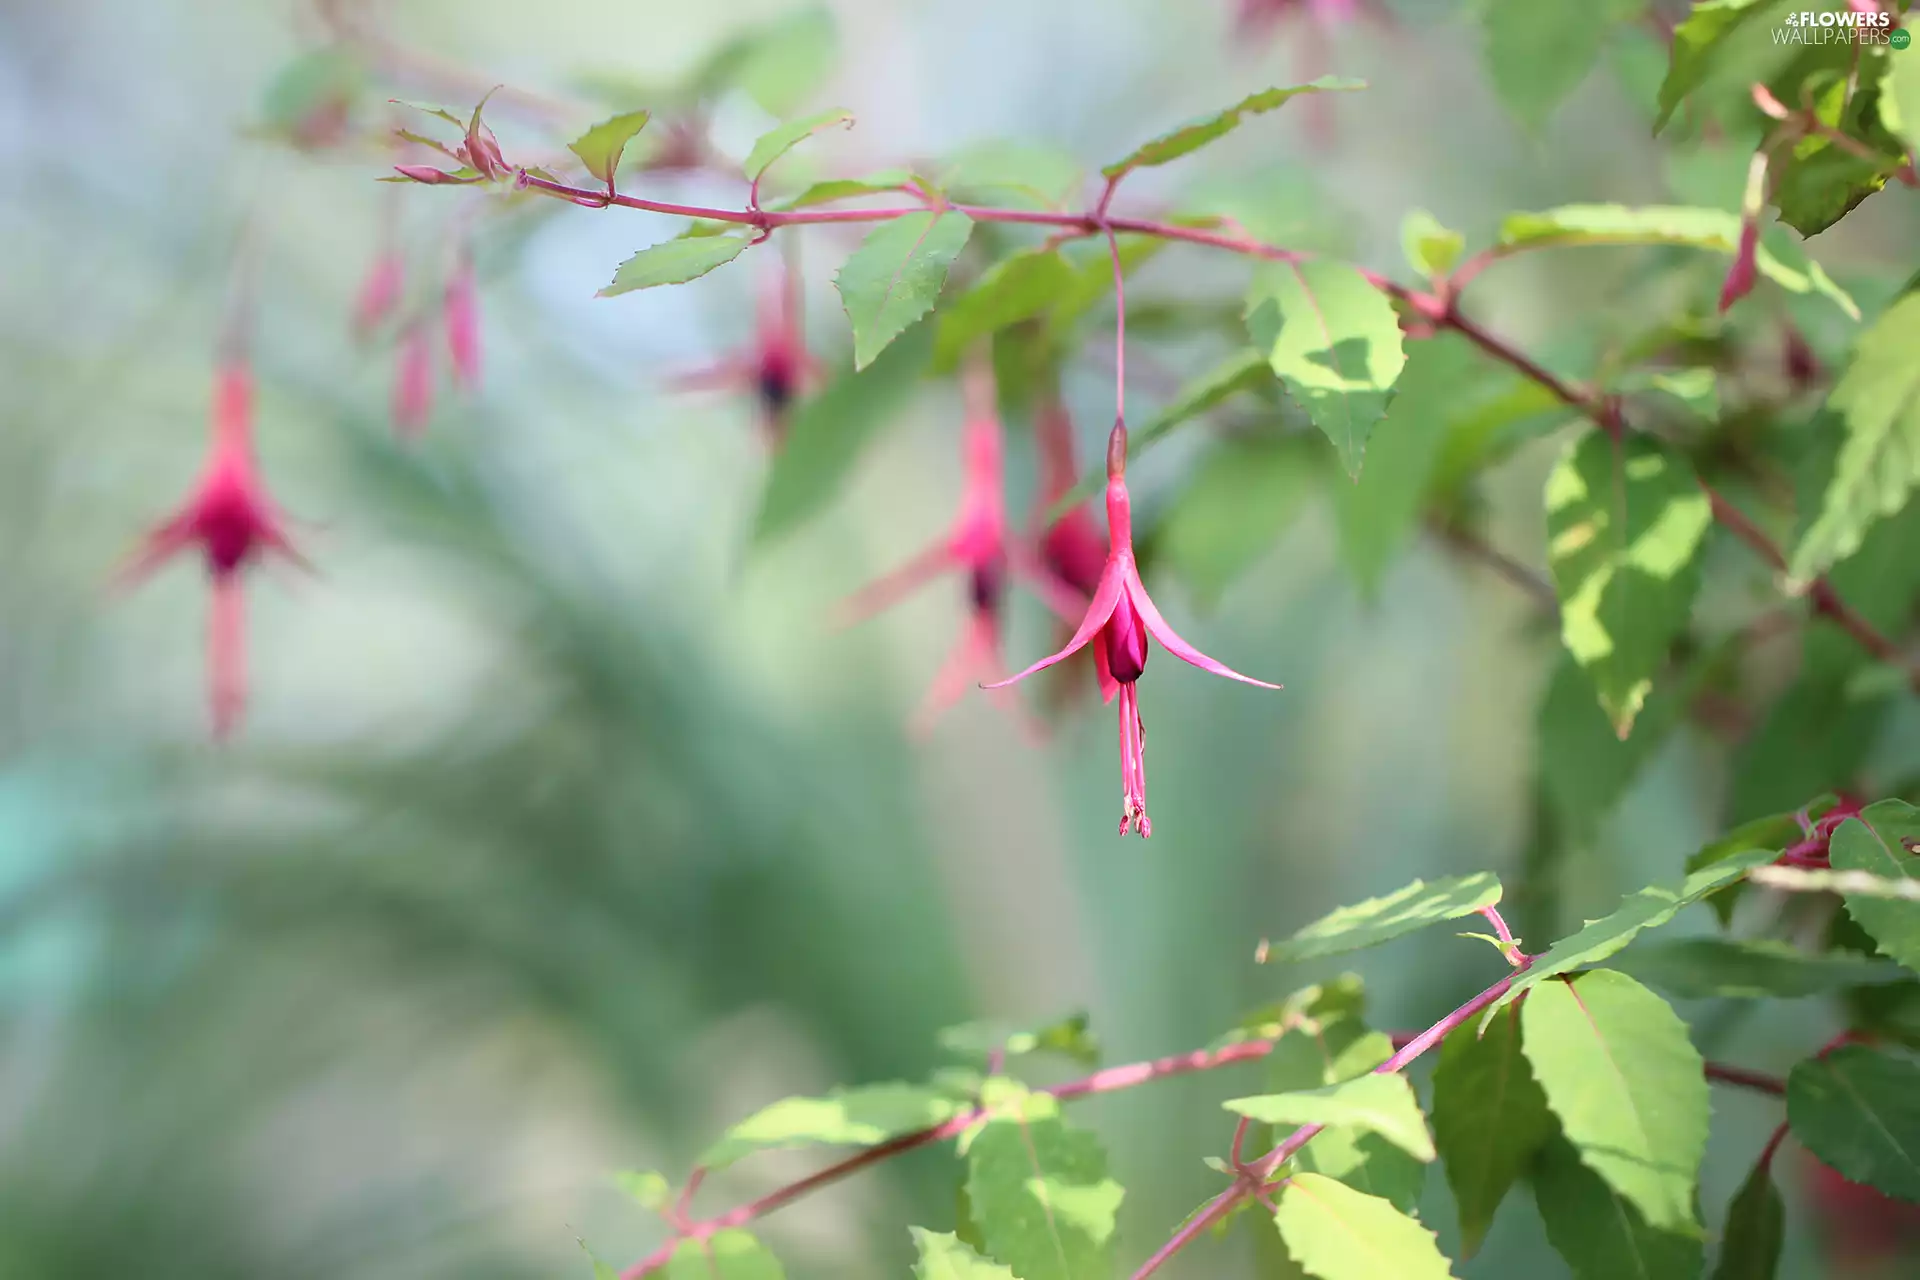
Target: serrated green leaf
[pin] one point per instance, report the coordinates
(675, 262)
(1772, 833)
(775, 143)
(1628, 1087)
(1323, 1043)
(1378, 920)
(845, 188)
(829, 430)
(1585, 766)
(1489, 1119)
(601, 147)
(649, 1190)
(438, 112)
(1041, 1195)
(854, 1117)
(1599, 1232)
(1243, 497)
(1729, 968)
(1191, 137)
(1431, 249)
(1879, 843)
(946, 1257)
(1337, 1233)
(1697, 41)
(1858, 1110)
(1648, 909)
(725, 1255)
(1625, 524)
(1755, 1231)
(1372, 1103)
(1539, 51)
(1336, 344)
(895, 276)
(1012, 290)
(1879, 462)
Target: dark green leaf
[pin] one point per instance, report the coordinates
(1880, 842)
(1371, 1103)
(1755, 1230)
(1012, 290)
(1489, 1118)
(1598, 1231)
(1245, 494)
(1727, 968)
(1191, 137)
(1378, 920)
(1628, 1087)
(1540, 50)
(1585, 767)
(946, 1257)
(601, 147)
(855, 1117)
(844, 188)
(895, 276)
(1698, 41)
(1041, 1195)
(1337, 1233)
(777, 142)
(1858, 1110)
(675, 262)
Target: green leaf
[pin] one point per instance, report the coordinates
(1879, 463)
(1378, 920)
(945, 1257)
(310, 82)
(1879, 843)
(1378, 513)
(675, 262)
(1012, 290)
(1372, 1103)
(1648, 909)
(1489, 1119)
(1773, 833)
(1625, 523)
(1755, 1231)
(1336, 343)
(1728, 968)
(725, 1255)
(1628, 1086)
(649, 1190)
(1245, 494)
(995, 169)
(601, 1270)
(1191, 137)
(1041, 1195)
(1337, 1233)
(854, 1117)
(601, 147)
(1431, 249)
(1599, 1232)
(1900, 100)
(1697, 41)
(1858, 1110)
(1539, 51)
(895, 276)
(845, 188)
(829, 430)
(777, 142)
(1585, 767)
(777, 65)
(1069, 1037)
(1244, 370)
(1093, 279)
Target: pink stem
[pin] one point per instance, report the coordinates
(1119, 325)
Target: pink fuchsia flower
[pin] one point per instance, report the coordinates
(413, 381)
(776, 366)
(1118, 623)
(379, 293)
(233, 519)
(977, 545)
(1071, 546)
(461, 312)
(1741, 275)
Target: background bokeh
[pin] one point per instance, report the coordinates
(565, 828)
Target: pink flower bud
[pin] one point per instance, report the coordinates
(462, 311)
(1740, 276)
(413, 383)
(428, 174)
(379, 294)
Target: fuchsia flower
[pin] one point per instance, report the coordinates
(379, 293)
(233, 518)
(1071, 546)
(776, 366)
(1741, 275)
(977, 545)
(413, 381)
(461, 309)
(1121, 618)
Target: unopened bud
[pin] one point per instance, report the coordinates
(1117, 450)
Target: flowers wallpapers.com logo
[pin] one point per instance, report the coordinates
(1842, 26)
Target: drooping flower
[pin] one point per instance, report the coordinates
(1118, 623)
(413, 381)
(461, 313)
(977, 545)
(1742, 274)
(234, 520)
(379, 293)
(776, 366)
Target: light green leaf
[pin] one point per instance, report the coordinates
(1879, 843)
(1378, 920)
(1772, 833)
(1336, 343)
(649, 1190)
(1900, 99)
(895, 276)
(675, 262)
(1489, 1119)
(1337, 1233)
(1598, 1231)
(1625, 523)
(439, 113)
(1628, 1086)
(855, 1117)
(1093, 279)
(1729, 968)
(1431, 249)
(1041, 1195)
(1539, 51)
(1069, 1037)
(1879, 463)
(1756, 1228)
(1858, 1110)
(1696, 42)
(945, 1257)
(601, 147)
(1012, 290)
(845, 188)
(777, 142)
(829, 430)
(601, 1270)
(1648, 909)
(1192, 136)
(992, 170)
(1244, 495)
(778, 65)
(1242, 371)
(725, 1255)
(312, 82)
(1372, 1103)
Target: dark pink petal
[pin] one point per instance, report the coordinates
(1112, 584)
(379, 294)
(413, 383)
(1170, 639)
(885, 592)
(1103, 675)
(1740, 277)
(1055, 594)
(155, 549)
(1133, 765)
